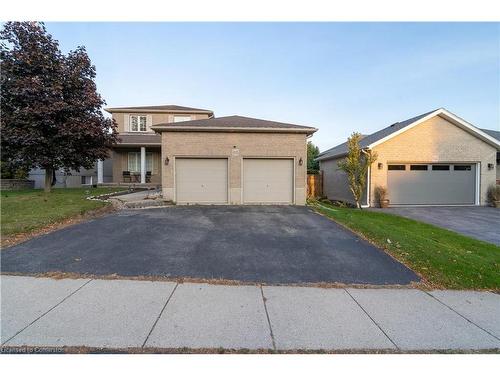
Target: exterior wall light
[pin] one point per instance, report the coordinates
(167, 160)
(300, 161)
(490, 166)
(380, 165)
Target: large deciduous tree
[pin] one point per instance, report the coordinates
(50, 109)
(355, 165)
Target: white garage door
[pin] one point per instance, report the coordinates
(268, 181)
(434, 184)
(201, 180)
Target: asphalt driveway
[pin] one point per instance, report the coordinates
(482, 223)
(248, 243)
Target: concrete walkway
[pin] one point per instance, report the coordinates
(44, 312)
(138, 195)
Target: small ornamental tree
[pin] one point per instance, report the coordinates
(51, 111)
(312, 153)
(355, 165)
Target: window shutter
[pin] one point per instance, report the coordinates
(149, 122)
(126, 122)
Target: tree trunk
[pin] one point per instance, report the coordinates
(48, 180)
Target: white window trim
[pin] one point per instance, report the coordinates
(138, 124)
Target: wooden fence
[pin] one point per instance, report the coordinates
(315, 185)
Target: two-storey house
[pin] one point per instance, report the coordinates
(137, 157)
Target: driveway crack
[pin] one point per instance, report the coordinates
(159, 315)
(46, 312)
(268, 319)
(373, 320)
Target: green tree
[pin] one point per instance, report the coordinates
(355, 165)
(312, 153)
(51, 110)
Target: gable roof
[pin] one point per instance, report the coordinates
(494, 133)
(393, 130)
(233, 123)
(158, 108)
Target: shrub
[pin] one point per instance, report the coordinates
(380, 193)
(493, 194)
(13, 170)
(21, 174)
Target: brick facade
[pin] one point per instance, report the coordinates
(235, 146)
(435, 141)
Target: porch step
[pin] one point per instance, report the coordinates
(147, 203)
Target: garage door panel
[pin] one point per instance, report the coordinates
(439, 187)
(201, 180)
(268, 181)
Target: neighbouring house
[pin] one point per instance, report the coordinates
(234, 160)
(71, 179)
(436, 158)
(495, 134)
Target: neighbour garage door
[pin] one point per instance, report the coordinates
(201, 180)
(268, 181)
(435, 184)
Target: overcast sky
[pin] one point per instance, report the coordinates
(338, 77)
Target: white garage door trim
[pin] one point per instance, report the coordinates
(175, 161)
(477, 181)
(292, 159)
(478, 184)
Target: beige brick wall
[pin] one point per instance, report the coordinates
(215, 144)
(157, 118)
(435, 140)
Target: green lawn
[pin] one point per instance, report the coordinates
(26, 210)
(444, 258)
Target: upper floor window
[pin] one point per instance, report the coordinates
(138, 123)
(182, 118)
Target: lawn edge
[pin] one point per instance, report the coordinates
(18, 238)
(426, 284)
(194, 280)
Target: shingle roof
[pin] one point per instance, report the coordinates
(493, 133)
(367, 140)
(233, 122)
(169, 107)
(139, 139)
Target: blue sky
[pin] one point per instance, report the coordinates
(338, 77)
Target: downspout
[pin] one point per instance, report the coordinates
(366, 151)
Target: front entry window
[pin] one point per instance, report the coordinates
(134, 162)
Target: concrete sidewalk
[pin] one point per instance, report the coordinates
(120, 314)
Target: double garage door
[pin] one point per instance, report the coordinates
(205, 180)
(432, 184)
